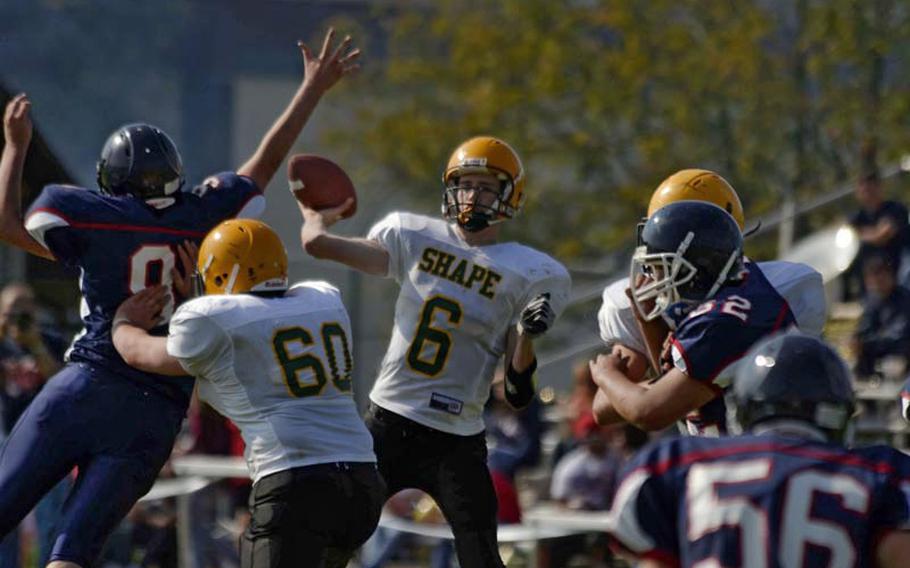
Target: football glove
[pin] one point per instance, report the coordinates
(537, 317)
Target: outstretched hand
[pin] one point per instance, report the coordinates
(143, 309)
(332, 63)
(17, 125)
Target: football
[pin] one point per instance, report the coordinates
(320, 183)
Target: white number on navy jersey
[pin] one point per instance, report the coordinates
(736, 306)
(293, 366)
(801, 529)
(141, 262)
(708, 512)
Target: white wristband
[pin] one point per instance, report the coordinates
(120, 320)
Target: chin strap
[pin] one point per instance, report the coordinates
(472, 221)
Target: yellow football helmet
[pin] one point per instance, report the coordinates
(698, 185)
(242, 255)
(483, 155)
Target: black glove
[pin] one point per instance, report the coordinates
(537, 317)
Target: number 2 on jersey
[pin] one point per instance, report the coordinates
(293, 365)
(736, 306)
(436, 339)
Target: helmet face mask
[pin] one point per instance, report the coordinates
(687, 251)
(475, 201)
(495, 199)
(665, 274)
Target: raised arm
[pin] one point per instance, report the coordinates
(17, 128)
(320, 74)
(521, 360)
(363, 254)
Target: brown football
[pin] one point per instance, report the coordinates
(320, 183)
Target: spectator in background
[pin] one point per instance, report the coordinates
(29, 355)
(884, 328)
(577, 414)
(585, 477)
(882, 225)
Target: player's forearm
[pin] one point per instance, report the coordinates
(145, 352)
(521, 364)
(523, 355)
(11, 167)
(363, 254)
(631, 401)
(277, 142)
(604, 413)
(12, 230)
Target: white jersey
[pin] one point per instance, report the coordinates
(455, 307)
(280, 369)
(799, 284)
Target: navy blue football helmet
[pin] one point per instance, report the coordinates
(798, 377)
(688, 250)
(141, 160)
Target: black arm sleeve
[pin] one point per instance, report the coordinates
(520, 386)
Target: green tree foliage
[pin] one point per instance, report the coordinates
(605, 98)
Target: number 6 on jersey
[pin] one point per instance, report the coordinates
(429, 351)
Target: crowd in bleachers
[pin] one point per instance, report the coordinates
(881, 342)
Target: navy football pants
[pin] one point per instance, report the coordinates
(118, 434)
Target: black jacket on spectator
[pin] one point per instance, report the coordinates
(895, 211)
(884, 329)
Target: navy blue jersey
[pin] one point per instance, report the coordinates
(718, 333)
(768, 501)
(122, 245)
